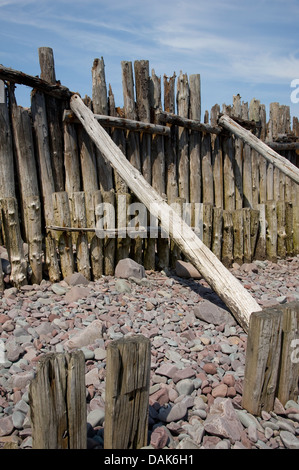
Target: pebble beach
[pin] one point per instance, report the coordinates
(197, 354)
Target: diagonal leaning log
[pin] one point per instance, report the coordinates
(228, 288)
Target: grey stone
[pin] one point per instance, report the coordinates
(186, 270)
(185, 387)
(58, 289)
(122, 286)
(18, 419)
(289, 440)
(211, 313)
(6, 426)
(96, 417)
(76, 279)
(174, 413)
(127, 267)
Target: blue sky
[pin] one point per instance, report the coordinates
(250, 48)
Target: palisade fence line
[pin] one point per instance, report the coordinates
(60, 196)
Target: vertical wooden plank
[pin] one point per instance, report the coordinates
(227, 239)
(57, 399)
(170, 142)
(207, 224)
(79, 220)
(109, 241)
(46, 179)
(183, 96)
(281, 229)
(238, 160)
(262, 360)
(296, 229)
(260, 250)
(238, 228)
(217, 231)
(54, 115)
(26, 171)
(93, 200)
(100, 106)
(195, 139)
(254, 230)
(7, 180)
(271, 231)
(228, 174)
(71, 159)
(217, 159)
(133, 144)
(207, 172)
(62, 218)
(158, 170)
(289, 366)
(127, 393)
(13, 241)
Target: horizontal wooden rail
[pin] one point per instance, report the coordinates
(192, 124)
(122, 123)
(264, 150)
(15, 76)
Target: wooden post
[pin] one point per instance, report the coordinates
(7, 180)
(260, 250)
(183, 137)
(227, 239)
(195, 139)
(78, 215)
(217, 160)
(96, 244)
(230, 290)
(271, 230)
(62, 218)
(100, 106)
(71, 159)
(127, 393)
(238, 228)
(28, 184)
(170, 142)
(262, 360)
(217, 231)
(273, 157)
(206, 168)
(13, 241)
(228, 174)
(54, 115)
(158, 171)
(57, 398)
(289, 367)
(39, 116)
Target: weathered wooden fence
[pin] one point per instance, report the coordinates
(56, 188)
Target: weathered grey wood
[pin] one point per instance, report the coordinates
(228, 174)
(221, 280)
(195, 140)
(109, 241)
(62, 218)
(158, 171)
(54, 115)
(183, 137)
(93, 200)
(13, 241)
(281, 229)
(247, 235)
(127, 393)
(28, 185)
(260, 250)
(88, 161)
(79, 219)
(217, 160)
(71, 159)
(7, 181)
(57, 398)
(32, 215)
(170, 141)
(287, 388)
(46, 180)
(100, 106)
(15, 76)
(273, 157)
(271, 230)
(217, 231)
(207, 171)
(262, 360)
(123, 219)
(182, 121)
(227, 239)
(296, 229)
(238, 228)
(133, 143)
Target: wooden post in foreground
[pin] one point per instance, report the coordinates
(127, 393)
(272, 365)
(229, 289)
(57, 398)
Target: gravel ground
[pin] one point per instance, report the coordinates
(197, 354)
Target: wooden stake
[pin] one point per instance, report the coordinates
(64, 239)
(183, 137)
(127, 393)
(57, 398)
(221, 280)
(271, 231)
(79, 220)
(262, 360)
(14, 242)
